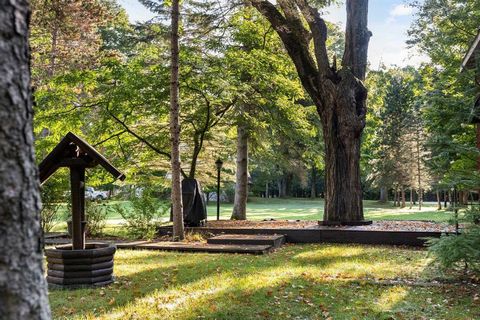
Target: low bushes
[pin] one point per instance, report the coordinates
(143, 215)
(96, 213)
(51, 208)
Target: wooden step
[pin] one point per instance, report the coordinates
(274, 240)
(196, 247)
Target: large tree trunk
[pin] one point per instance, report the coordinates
(177, 206)
(343, 197)
(23, 290)
(283, 186)
(339, 95)
(241, 186)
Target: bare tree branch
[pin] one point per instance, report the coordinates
(297, 47)
(111, 137)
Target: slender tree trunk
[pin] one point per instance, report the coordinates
(403, 196)
(53, 51)
(419, 172)
(411, 198)
(420, 199)
(465, 194)
(196, 151)
(383, 195)
(439, 200)
(241, 186)
(313, 189)
(267, 194)
(23, 290)
(177, 206)
(395, 197)
(445, 199)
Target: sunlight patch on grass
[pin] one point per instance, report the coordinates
(297, 281)
(390, 297)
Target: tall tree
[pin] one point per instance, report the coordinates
(241, 181)
(338, 94)
(22, 283)
(177, 206)
(444, 30)
(64, 35)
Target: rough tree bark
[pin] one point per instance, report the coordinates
(23, 290)
(241, 186)
(339, 94)
(177, 206)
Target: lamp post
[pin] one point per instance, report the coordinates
(219, 164)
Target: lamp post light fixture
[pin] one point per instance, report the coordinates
(219, 164)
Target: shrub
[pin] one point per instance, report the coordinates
(50, 208)
(96, 214)
(143, 215)
(460, 250)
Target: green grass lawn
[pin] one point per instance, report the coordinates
(308, 209)
(301, 209)
(296, 282)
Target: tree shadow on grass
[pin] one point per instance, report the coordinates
(142, 273)
(137, 273)
(301, 297)
(294, 281)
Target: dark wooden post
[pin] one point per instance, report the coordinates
(77, 185)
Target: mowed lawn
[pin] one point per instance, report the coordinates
(308, 209)
(297, 282)
(304, 209)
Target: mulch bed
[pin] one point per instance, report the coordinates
(383, 225)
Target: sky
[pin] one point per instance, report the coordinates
(389, 21)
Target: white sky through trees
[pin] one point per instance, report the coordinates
(389, 21)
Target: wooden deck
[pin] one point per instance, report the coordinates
(274, 240)
(325, 235)
(246, 248)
